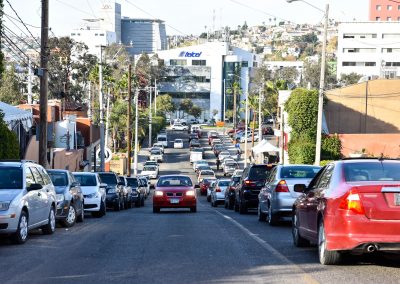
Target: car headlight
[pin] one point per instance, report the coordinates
(4, 205)
(159, 193)
(112, 190)
(93, 195)
(190, 193)
(60, 197)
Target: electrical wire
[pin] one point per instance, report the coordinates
(20, 39)
(9, 16)
(11, 43)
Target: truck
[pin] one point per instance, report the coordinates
(195, 156)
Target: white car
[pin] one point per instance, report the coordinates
(198, 163)
(162, 139)
(152, 163)
(94, 193)
(150, 171)
(178, 144)
(159, 145)
(156, 155)
(223, 154)
(180, 127)
(249, 138)
(205, 174)
(218, 194)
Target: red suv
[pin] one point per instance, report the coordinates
(350, 205)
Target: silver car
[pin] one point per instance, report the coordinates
(276, 198)
(27, 200)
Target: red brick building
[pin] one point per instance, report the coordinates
(384, 10)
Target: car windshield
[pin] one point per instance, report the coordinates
(231, 164)
(197, 150)
(223, 183)
(151, 163)
(203, 167)
(166, 181)
(236, 178)
(133, 182)
(260, 172)
(58, 178)
(108, 179)
(372, 171)
(10, 178)
(149, 168)
(86, 180)
(155, 152)
(162, 139)
(299, 172)
(178, 140)
(208, 181)
(207, 173)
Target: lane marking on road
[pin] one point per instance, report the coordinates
(306, 276)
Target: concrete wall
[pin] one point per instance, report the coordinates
(368, 107)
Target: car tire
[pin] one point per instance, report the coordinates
(262, 217)
(326, 257)
(117, 206)
(21, 235)
(70, 220)
(193, 209)
(209, 198)
(272, 218)
(242, 208)
(230, 204)
(50, 227)
(138, 202)
(298, 240)
(156, 209)
(81, 217)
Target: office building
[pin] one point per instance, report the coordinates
(384, 10)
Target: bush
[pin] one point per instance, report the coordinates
(325, 162)
(331, 148)
(9, 145)
(302, 150)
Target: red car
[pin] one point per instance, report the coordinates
(204, 185)
(174, 191)
(351, 205)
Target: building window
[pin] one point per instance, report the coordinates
(389, 19)
(359, 35)
(101, 34)
(390, 35)
(370, 63)
(199, 62)
(347, 63)
(96, 34)
(378, 19)
(245, 64)
(398, 19)
(359, 50)
(389, 7)
(378, 7)
(72, 34)
(178, 62)
(392, 64)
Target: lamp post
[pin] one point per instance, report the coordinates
(102, 142)
(321, 82)
(135, 158)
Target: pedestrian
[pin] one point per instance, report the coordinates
(238, 154)
(218, 163)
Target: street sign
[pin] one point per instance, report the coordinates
(107, 154)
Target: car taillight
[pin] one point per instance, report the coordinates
(249, 183)
(217, 189)
(231, 188)
(352, 203)
(282, 187)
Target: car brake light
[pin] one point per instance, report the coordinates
(352, 203)
(231, 188)
(217, 189)
(249, 182)
(282, 187)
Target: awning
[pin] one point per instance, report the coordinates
(265, 146)
(14, 115)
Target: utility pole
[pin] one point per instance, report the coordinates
(29, 82)
(155, 96)
(129, 129)
(90, 100)
(234, 110)
(102, 144)
(135, 160)
(260, 101)
(150, 119)
(43, 83)
(224, 117)
(245, 131)
(283, 139)
(107, 116)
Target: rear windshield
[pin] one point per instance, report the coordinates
(58, 178)
(178, 140)
(132, 182)
(207, 173)
(223, 183)
(155, 152)
(149, 168)
(86, 180)
(236, 178)
(299, 172)
(259, 172)
(372, 171)
(174, 181)
(108, 179)
(161, 139)
(10, 178)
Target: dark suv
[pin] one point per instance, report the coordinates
(250, 184)
(114, 190)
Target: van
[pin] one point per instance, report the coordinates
(162, 139)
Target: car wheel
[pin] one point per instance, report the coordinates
(209, 198)
(50, 227)
(81, 217)
(156, 209)
(193, 209)
(298, 240)
(230, 204)
(326, 257)
(138, 202)
(272, 218)
(262, 217)
(224, 174)
(21, 235)
(242, 208)
(71, 217)
(117, 206)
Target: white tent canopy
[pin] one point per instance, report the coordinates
(14, 116)
(265, 146)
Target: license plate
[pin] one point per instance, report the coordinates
(397, 199)
(174, 201)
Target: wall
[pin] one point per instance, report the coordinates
(384, 13)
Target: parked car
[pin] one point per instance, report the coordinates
(114, 190)
(156, 155)
(179, 126)
(229, 166)
(27, 200)
(350, 206)
(249, 137)
(218, 194)
(210, 188)
(178, 144)
(205, 184)
(69, 198)
(230, 192)
(150, 171)
(137, 191)
(128, 203)
(253, 179)
(145, 183)
(277, 196)
(206, 173)
(94, 193)
(174, 191)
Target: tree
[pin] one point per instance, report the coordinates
(186, 105)
(165, 104)
(1, 32)
(288, 74)
(312, 72)
(10, 87)
(118, 118)
(195, 111)
(349, 79)
(9, 146)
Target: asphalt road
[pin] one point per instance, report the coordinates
(213, 245)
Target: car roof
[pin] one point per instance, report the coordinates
(57, 171)
(84, 173)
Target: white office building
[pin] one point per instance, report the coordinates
(369, 49)
(200, 73)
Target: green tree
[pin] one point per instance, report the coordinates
(118, 122)
(349, 79)
(9, 146)
(287, 74)
(1, 32)
(186, 105)
(10, 87)
(195, 111)
(312, 74)
(165, 105)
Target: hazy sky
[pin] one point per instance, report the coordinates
(186, 16)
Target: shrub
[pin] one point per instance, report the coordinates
(9, 145)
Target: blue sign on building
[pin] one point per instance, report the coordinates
(189, 54)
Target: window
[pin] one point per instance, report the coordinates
(377, 19)
(398, 7)
(378, 7)
(45, 176)
(199, 62)
(96, 34)
(390, 35)
(389, 19)
(245, 64)
(370, 63)
(59, 178)
(359, 35)
(347, 63)
(325, 178)
(178, 62)
(389, 7)
(390, 50)
(372, 171)
(10, 178)
(72, 34)
(38, 177)
(101, 34)
(359, 50)
(29, 177)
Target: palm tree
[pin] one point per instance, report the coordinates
(253, 106)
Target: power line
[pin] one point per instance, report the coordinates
(11, 43)
(73, 7)
(21, 21)
(21, 39)
(12, 8)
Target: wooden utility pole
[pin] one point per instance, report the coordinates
(43, 84)
(129, 128)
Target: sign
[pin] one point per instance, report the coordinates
(107, 154)
(190, 54)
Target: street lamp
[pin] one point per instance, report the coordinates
(321, 82)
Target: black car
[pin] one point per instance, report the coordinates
(70, 202)
(250, 184)
(230, 192)
(138, 192)
(193, 136)
(114, 190)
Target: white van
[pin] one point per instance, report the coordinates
(162, 139)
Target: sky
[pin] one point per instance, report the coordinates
(185, 17)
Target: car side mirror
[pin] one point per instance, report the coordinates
(103, 185)
(300, 188)
(34, 186)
